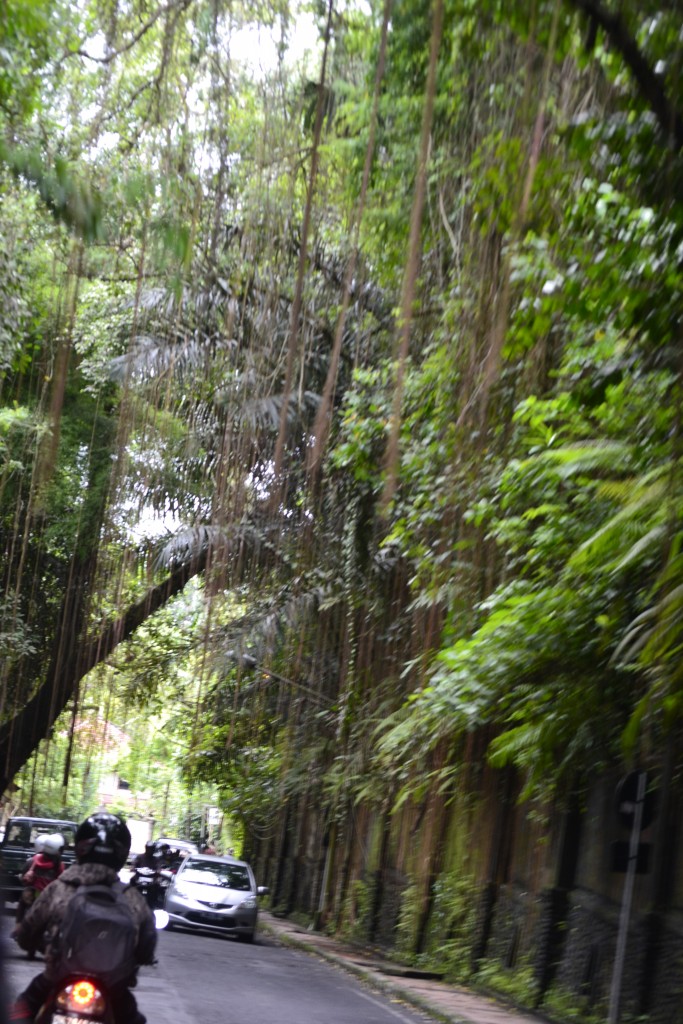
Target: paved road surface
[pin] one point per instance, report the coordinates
(206, 979)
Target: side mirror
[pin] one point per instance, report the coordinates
(262, 890)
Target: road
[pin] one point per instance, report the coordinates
(206, 979)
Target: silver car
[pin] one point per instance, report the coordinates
(215, 894)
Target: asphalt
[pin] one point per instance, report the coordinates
(453, 1004)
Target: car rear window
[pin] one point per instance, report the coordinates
(228, 876)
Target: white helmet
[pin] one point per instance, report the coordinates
(39, 843)
(53, 844)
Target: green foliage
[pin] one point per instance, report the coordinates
(518, 984)
(356, 911)
(452, 924)
(406, 928)
(69, 198)
(27, 30)
(362, 431)
(511, 673)
(246, 778)
(567, 1005)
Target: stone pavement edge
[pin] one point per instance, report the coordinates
(441, 1000)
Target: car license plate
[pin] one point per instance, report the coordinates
(67, 1018)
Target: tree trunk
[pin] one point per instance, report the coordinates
(74, 656)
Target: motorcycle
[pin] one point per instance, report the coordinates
(82, 998)
(75, 1000)
(149, 884)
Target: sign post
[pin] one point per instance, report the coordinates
(633, 809)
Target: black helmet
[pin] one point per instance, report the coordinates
(103, 838)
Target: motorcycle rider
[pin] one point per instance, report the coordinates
(163, 854)
(102, 846)
(150, 887)
(148, 858)
(43, 868)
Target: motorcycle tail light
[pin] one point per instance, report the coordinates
(81, 996)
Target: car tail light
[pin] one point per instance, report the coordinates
(81, 996)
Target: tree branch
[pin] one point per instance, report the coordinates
(650, 85)
(112, 635)
(136, 38)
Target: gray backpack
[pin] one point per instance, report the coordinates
(97, 935)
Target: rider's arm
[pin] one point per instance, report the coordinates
(147, 932)
(27, 873)
(147, 939)
(32, 928)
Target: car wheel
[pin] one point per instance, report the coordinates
(246, 937)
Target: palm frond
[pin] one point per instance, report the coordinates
(630, 524)
(635, 639)
(643, 547)
(657, 633)
(668, 633)
(264, 413)
(588, 457)
(188, 544)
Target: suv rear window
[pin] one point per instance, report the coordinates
(66, 831)
(25, 833)
(18, 834)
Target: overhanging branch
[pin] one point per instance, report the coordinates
(20, 735)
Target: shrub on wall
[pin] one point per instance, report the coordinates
(452, 925)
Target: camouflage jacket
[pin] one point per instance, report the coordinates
(40, 927)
